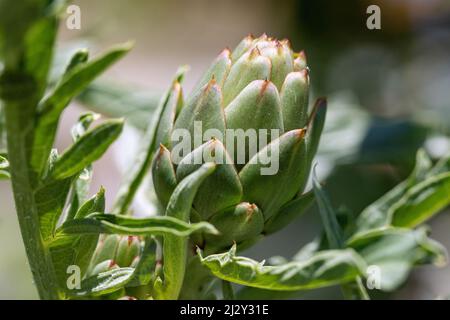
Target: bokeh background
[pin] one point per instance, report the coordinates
(388, 92)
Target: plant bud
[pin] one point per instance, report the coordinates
(128, 249)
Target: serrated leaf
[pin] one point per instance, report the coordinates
(104, 283)
(114, 224)
(376, 215)
(52, 106)
(422, 201)
(395, 251)
(87, 149)
(325, 268)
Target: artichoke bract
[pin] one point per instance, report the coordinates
(248, 114)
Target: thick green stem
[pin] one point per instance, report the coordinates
(19, 125)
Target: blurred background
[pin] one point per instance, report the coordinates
(388, 93)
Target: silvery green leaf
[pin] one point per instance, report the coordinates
(395, 251)
(52, 106)
(98, 223)
(325, 268)
(422, 201)
(87, 149)
(76, 250)
(51, 196)
(103, 283)
(379, 213)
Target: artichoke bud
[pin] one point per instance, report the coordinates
(104, 266)
(128, 249)
(242, 222)
(248, 114)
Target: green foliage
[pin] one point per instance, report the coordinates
(216, 207)
(322, 269)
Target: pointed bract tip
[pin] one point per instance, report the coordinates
(254, 53)
(130, 240)
(265, 85)
(112, 264)
(226, 52)
(162, 149)
(299, 133)
(287, 43)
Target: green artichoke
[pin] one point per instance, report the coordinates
(261, 87)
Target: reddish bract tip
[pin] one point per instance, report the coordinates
(225, 52)
(112, 264)
(130, 240)
(264, 86)
(254, 53)
(286, 42)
